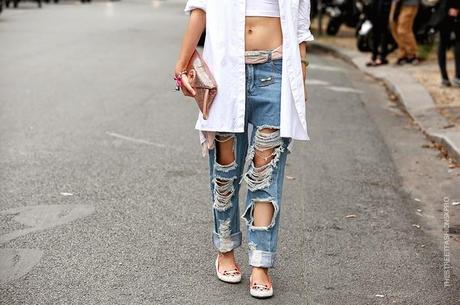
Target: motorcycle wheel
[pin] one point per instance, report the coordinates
(364, 43)
(333, 26)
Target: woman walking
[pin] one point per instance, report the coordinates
(256, 51)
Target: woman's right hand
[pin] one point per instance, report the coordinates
(193, 33)
(185, 87)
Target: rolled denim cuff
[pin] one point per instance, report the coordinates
(263, 259)
(228, 243)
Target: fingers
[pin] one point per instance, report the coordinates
(186, 87)
(185, 91)
(305, 91)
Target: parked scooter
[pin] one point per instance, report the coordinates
(364, 28)
(423, 29)
(340, 12)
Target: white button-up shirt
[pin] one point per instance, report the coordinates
(224, 53)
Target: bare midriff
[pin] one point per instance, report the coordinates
(262, 33)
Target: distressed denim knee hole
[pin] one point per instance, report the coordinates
(225, 161)
(259, 177)
(248, 214)
(223, 192)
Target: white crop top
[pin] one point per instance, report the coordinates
(266, 8)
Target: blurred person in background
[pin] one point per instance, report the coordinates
(402, 16)
(379, 16)
(448, 14)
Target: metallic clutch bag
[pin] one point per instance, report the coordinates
(203, 82)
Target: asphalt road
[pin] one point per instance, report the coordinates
(104, 195)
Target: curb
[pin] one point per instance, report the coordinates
(415, 99)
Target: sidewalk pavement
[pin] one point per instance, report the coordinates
(414, 97)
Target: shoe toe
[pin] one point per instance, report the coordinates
(261, 293)
(234, 276)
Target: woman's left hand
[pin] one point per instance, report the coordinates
(303, 54)
(304, 74)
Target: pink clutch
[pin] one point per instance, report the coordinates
(203, 82)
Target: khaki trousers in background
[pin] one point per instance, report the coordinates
(401, 29)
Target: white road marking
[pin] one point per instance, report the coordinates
(344, 89)
(42, 217)
(15, 263)
(142, 141)
(317, 82)
(324, 68)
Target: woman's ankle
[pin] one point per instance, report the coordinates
(260, 275)
(227, 253)
(259, 270)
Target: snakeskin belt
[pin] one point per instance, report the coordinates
(261, 56)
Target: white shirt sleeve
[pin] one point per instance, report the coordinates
(193, 4)
(303, 22)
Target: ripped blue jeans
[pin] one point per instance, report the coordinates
(264, 181)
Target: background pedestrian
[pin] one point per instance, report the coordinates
(402, 17)
(379, 16)
(448, 18)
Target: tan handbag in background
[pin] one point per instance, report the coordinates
(203, 82)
